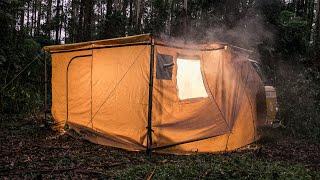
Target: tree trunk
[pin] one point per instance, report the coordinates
(109, 7)
(117, 5)
(61, 20)
(80, 27)
(22, 18)
(310, 19)
(185, 18)
(65, 22)
(124, 8)
(39, 17)
(294, 3)
(137, 5)
(72, 25)
(88, 16)
(171, 17)
(305, 7)
(317, 31)
(57, 23)
(131, 14)
(124, 14)
(99, 10)
(48, 19)
(33, 14)
(28, 15)
(140, 11)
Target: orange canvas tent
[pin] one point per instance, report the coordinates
(140, 93)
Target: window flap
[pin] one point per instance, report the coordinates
(164, 67)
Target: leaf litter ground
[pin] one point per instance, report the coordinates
(30, 151)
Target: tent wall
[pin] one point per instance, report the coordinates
(226, 120)
(120, 89)
(102, 93)
(175, 121)
(106, 92)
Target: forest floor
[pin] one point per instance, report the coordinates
(30, 151)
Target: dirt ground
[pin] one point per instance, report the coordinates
(30, 151)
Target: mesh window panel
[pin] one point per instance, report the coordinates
(189, 79)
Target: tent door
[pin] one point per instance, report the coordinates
(79, 88)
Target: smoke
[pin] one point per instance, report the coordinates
(249, 32)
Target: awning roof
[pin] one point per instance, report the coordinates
(132, 40)
(144, 38)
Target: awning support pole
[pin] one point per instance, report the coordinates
(149, 128)
(45, 88)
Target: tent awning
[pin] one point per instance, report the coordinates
(133, 40)
(144, 38)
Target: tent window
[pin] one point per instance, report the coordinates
(189, 79)
(164, 67)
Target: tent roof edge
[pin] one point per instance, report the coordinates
(91, 44)
(134, 40)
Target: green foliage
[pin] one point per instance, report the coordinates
(298, 91)
(288, 68)
(17, 49)
(112, 26)
(155, 21)
(271, 9)
(29, 48)
(25, 94)
(293, 34)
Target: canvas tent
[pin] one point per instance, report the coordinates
(140, 93)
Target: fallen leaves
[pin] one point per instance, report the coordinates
(34, 152)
